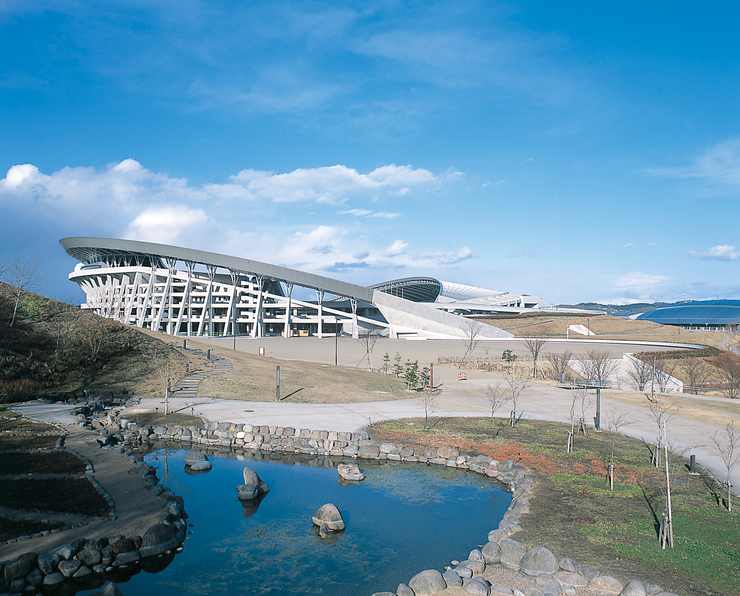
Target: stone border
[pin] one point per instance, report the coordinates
(553, 577)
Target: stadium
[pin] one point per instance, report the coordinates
(187, 292)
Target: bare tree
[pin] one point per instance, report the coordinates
(166, 366)
(497, 397)
(24, 275)
(727, 445)
(598, 366)
(516, 385)
(97, 332)
(368, 338)
(559, 362)
(614, 422)
(586, 402)
(534, 345)
(639, 373)
(428, 400)
(697, 373)
(471, 329)
(62, 319)
(729, 370)
(662, 414)
(663, 372)
(578, 395)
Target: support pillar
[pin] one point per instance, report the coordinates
(320, 300)
(257, 328)
(353, 302)
(289, 292)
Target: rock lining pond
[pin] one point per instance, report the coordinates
(400, 519)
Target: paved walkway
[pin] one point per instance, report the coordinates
(457, 398)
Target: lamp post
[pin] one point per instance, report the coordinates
(336, 338)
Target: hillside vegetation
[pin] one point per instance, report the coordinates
(54, 347)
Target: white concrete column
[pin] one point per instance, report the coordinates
(257, 327)
(320, 300)
(353, 302)
(288, 291)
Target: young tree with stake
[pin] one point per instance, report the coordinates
(497, 397)
(727, 445)
(368, 338)
(614, 422)
(516, 386)
(534, 345)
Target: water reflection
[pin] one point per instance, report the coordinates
(403, 518)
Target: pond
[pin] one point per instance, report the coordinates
(401, 519)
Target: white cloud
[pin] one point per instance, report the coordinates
(497, 183)
(397, 248)
(19, 175)
(357, 212)
(628, 245)
(167, 224)
(639, 281)
(442, 258)
(400, 192)
(368, 213)
(721, 252)
(719, 165)
(125, 199)
(99, 198)
(112, 197)
(329, 184)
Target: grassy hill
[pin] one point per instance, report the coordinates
(54, 347)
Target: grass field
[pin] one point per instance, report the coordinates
(575, 514)
(604, 327)
(253, 378)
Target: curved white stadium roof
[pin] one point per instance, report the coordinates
(159, 286)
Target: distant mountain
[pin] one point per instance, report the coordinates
(617, 308)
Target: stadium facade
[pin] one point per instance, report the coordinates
(187, 292)
(712, 315)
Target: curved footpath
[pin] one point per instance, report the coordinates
(462, 399)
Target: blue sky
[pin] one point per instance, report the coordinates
(576, 151)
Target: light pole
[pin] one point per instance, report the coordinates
(336, 338)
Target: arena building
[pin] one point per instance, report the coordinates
(712, 315)
(187, 292)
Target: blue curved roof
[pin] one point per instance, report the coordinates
(701, 312)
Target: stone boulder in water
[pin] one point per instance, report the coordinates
(350, 472)
(328, 519)
(253, 486)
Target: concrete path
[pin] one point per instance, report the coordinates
(457, 398)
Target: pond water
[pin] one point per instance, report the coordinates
(401, 519)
